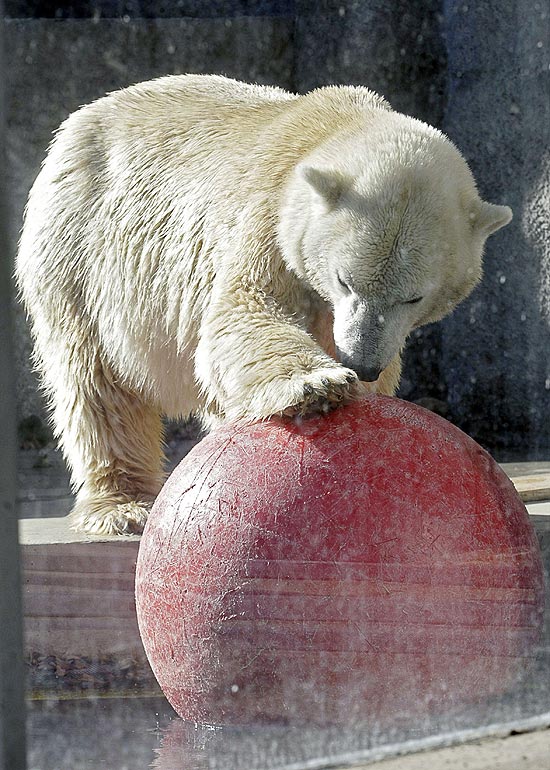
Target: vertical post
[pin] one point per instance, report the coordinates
(12, 705)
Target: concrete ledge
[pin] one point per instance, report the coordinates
(56, 531)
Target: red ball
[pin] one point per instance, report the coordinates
(374, 561)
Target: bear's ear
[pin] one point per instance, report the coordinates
(487, 218)
(330, 185)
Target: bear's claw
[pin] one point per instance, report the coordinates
(322, 394)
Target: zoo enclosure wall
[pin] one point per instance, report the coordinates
(480, 72)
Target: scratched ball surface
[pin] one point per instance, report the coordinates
(371, 562)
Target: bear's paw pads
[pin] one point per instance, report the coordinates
(323, 390)
(109, 517)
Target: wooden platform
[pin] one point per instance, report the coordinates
(81, 630)
(532, 480)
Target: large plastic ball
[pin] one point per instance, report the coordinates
(369, 563)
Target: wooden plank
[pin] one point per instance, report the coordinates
(74, 582)
(539, 513)
(525, 468)
(532, 480)
(533, 488)
(79, 611)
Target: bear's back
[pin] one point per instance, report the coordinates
(200, 95)
(211, 87)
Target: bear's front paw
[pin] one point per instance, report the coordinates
(109, 516)
(323, 390)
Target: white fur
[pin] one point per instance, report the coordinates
(181, 250)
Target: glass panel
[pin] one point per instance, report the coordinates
(405, 608)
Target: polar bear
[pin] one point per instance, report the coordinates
(196, 243)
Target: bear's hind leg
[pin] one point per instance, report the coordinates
(112, 441)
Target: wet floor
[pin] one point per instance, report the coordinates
(134, 733)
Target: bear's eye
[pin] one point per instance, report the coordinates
(413, 301)
(343, 283)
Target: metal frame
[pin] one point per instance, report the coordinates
(12, 704)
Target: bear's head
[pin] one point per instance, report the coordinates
(388, 228)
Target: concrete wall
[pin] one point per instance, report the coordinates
(496, 347)
(481, 72)
(57, 65)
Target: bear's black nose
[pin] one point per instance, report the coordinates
(365, 373)
(368, 373)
